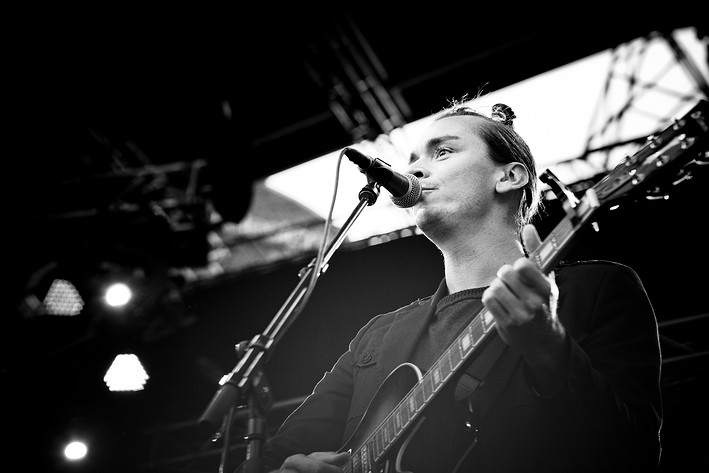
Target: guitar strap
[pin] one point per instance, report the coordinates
(495, 354)
(476, 376)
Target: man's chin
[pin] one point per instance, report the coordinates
(426, 220)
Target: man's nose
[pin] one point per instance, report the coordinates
(417, 171)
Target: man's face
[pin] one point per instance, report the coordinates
(457, 176)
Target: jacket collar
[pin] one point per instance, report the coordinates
(401, 340)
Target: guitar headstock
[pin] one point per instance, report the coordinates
(664, 161)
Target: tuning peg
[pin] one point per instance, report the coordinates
(683, 176)
(657, 197)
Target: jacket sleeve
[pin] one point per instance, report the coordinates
(318, 424)
(612, 393)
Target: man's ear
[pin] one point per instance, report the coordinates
(514, 176)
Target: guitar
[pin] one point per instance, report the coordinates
(405, 397)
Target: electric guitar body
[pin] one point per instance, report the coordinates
(435, 441)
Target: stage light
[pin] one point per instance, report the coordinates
(51, 291)
(118, 294)
(126, 374)
(75, 450)
(63, 299)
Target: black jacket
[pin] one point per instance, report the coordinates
(607, 417)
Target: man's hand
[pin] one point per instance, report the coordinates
(523, 300)
(318, 462)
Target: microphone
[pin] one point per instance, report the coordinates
(405, 189)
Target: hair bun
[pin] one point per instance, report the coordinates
(503, 113)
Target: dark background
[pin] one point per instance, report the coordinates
(100, 99)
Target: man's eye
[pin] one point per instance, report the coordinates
(442, 151)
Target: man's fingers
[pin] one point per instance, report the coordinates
(315, 462)
(330, 458)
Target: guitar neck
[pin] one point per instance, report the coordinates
(556, 245)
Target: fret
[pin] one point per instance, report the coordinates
(371, 457)
(411, 407)
(418, 396)
(364, 457)
(542, 254)
(555, 241)
(477, 331)
(466, 341)
(456, 355)
(404, 413)
(562, 231)
(488, 321)
(391, 431)
(545, 256)
(356, 463)
(383, 439)
(379, 443)
(436, 376)
(446, 369)
(427, 384)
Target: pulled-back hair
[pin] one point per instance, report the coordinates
(506, 146)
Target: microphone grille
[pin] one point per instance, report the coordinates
(411, 196)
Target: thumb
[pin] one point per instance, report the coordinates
(340, 459)
(331, 458)
(530, 238)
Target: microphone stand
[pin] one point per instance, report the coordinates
(244, 384)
